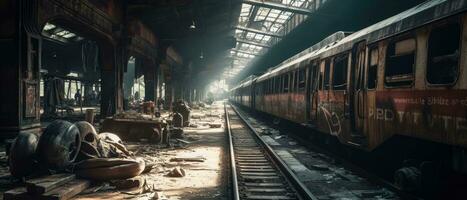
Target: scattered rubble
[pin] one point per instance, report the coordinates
(292, 143)
(215, 125)
(176, 172)
(194, 159)
(104, 158)
(131, 183)
(280, 137)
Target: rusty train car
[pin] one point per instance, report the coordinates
(406, 75)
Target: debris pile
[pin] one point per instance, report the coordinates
(66, 159)
(182, 108)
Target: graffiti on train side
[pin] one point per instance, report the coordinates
(431, 111)
(332, 119)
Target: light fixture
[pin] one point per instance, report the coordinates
(193, 25)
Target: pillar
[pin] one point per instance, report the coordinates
(111, 80)
(150, 82)
(20, 49)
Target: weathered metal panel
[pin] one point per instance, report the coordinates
(435, 115)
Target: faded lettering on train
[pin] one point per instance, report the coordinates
(430, 111)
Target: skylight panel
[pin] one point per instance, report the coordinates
(69, 35)
(49, 27)
(62, 33)
(264, 19)
(274, 29)
(246, 8)
(258, 37)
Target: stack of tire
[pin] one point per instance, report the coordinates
(68, 147)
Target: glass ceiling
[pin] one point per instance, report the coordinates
(60, 34)
(260, 27)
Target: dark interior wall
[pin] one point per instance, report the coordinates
(60, 59)
(336, 15)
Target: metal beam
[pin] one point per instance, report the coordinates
(258, 31)
(253, 43)
(159, 3)
(239, 59)
(279, 6)
(245, 52)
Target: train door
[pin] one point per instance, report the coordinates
(312, 91)
(357, 101)
(308, 92)
(253, 94)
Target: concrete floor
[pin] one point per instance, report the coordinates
(203, 180)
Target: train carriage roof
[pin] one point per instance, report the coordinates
(245, 82)
(408, 20)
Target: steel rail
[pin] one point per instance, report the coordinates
(347, 163)
(301, 189)
(235, 191)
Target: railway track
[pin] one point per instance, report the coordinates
(348, 164)
(257, 172)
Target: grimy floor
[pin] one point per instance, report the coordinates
(203, 180)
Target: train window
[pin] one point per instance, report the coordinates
(272, 85)
(320, 81)
(339, 75)
(285, 82)
(327, 74)
(443, 54)
(400, 61)
(373, 68)
(314, 77)
(292, 81)
(269, 86)
(301, 79)
(265, 88)
(278, 88)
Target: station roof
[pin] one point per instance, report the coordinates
(261, 24)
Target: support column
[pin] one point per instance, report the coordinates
(111, 81)
(20, 47)
(150, 81)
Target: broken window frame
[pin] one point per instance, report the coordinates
(286, 83)
(376, 66)
(327, 75)
(278, 84)
(292, 82)
(442, 28)
(410, 81)
(337, 60)
(301, 79)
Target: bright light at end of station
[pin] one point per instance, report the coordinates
(218, 87)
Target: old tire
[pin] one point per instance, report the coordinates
(105, 169)
(59, 145)
(407, 179)
(22, 157)
(87, 132)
